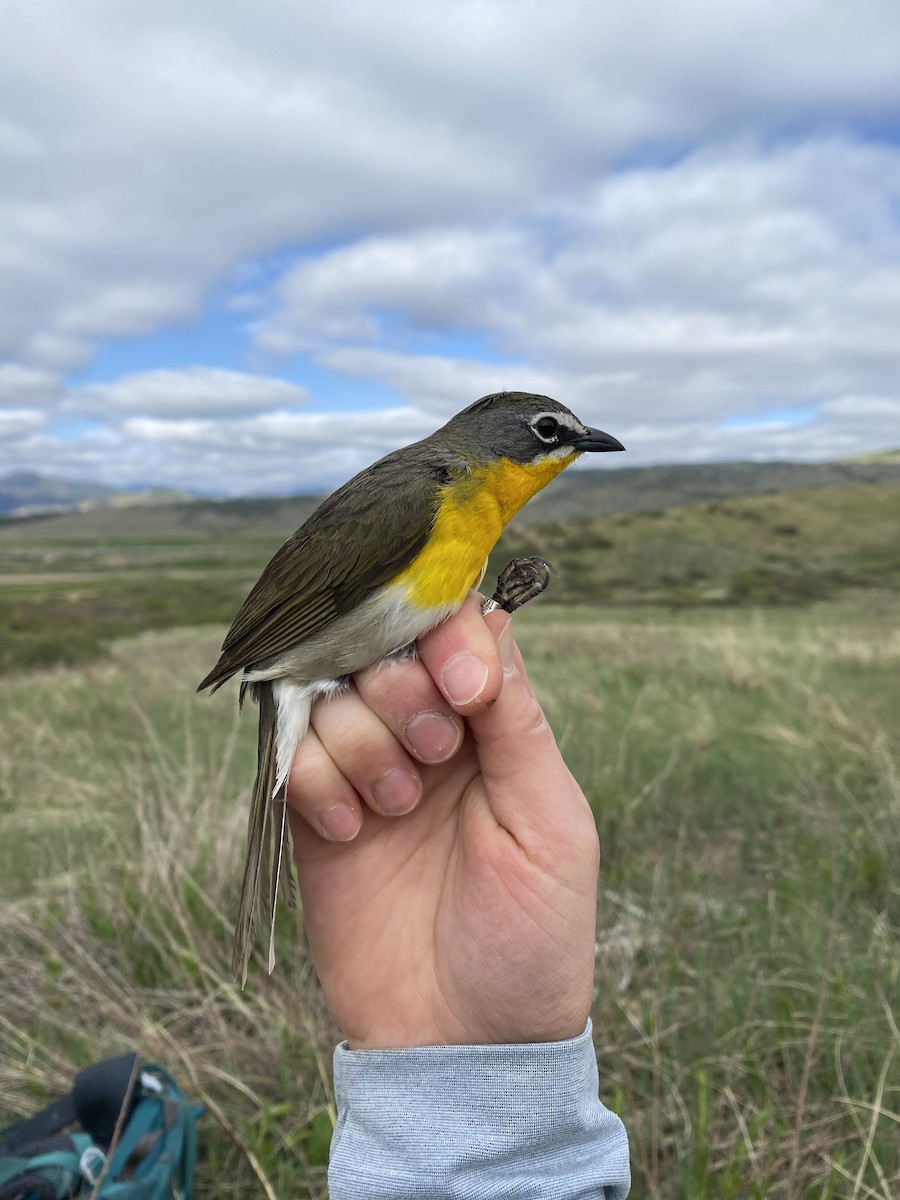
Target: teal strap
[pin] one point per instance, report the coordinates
(168, 1112)
(67, 1161)
(146, 1117)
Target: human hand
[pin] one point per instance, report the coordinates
(471, 917)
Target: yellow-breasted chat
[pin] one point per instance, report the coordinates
(380, 562)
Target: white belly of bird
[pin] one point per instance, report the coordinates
(377, 628)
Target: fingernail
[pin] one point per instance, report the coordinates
(397, 792)
(505, 648)
(432, 737)
(464, 677)
(341, 823)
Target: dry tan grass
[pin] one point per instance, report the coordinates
(121, 938)
(744, 773)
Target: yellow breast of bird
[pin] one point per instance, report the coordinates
(473, 512)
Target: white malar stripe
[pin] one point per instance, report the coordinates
(555, 454)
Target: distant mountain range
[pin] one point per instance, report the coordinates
(576, 495)
(26, 494)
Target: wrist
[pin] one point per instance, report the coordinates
(402, 1032)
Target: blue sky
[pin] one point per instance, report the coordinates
(252, 247)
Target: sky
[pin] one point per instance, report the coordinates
(249, 246)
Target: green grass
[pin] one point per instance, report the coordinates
(743, 766)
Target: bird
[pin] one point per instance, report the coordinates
(382, 560)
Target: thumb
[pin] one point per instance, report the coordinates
(530, 789)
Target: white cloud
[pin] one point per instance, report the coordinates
(444, 278)
(440, 385)
(187, 392)
(737, 280)
(866, 406)
(149, 148)
(663, 214)
(272, 452)
(16, 424)
(18, 384)
(272, 428)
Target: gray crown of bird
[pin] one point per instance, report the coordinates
(379, 563)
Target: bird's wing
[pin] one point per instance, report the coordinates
(357, 540)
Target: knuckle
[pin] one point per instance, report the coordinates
(388, 683)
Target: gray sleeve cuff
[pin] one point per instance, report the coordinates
(475, 1121)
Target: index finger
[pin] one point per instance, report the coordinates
(461, 656)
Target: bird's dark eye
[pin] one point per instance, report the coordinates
(546, 428)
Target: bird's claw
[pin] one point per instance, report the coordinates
(520, 581)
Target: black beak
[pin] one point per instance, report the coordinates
(597, 441)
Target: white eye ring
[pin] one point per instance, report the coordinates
(534, 422)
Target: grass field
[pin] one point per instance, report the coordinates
(743, 766)
(70, 584)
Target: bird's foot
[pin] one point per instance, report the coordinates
(520, 581)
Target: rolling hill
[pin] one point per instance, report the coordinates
(70, 583)
(578, 493)
(784, 548)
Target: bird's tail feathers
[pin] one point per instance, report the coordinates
(283, 720)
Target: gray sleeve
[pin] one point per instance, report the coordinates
(475, 1122)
